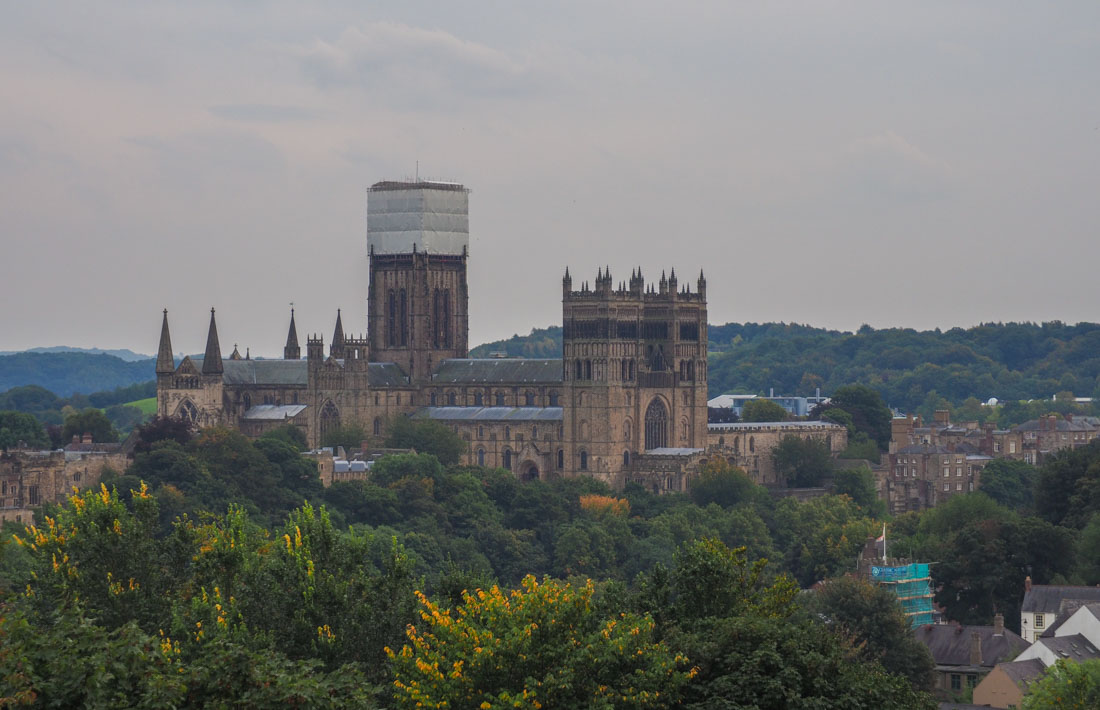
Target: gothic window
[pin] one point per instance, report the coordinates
(450, 399)
(478, 397)
(377, 426)
(588, 369)
(247, 401)
(404, 317)
(626, 430)
(187, 411)
(580, 371)
(752, 444)
(656, 425)
(481, 457)
(631, 370)
(626, 459)
(584, 461)
(528, 399)
(391, 318)
(553, 399)
(534, 433)
(561, 458)
(691, 370)
(508, 458)
(481, 432)
(683, 430)
(433, 399)
(436, 320)
(330, 418)
(446, 319)
(500, 399)
(376, 400)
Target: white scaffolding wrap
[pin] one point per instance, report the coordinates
(423, 217)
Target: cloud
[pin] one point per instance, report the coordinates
(411, 65)
(888, 166)
(262, 113)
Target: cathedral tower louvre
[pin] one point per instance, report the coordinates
(418, 242)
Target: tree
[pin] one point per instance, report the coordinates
(289, 434)
(804, 463)
(543, 645)
(1069, 486)
(350, 436)
(1011, 483)
(865, 406)
(17, 428)
(1067, 685)
(763, 410)
(859, 485)
(162, 429)
(90, 421)
(722, 483)
(427, 437)
(870, 616)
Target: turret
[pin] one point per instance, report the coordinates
(336, 350)
(291, 351)
(702, 286)
(566, 283)
(212, 360)
(166, 364)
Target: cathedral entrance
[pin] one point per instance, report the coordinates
(530, 471)
(656, 425)
(330, 419)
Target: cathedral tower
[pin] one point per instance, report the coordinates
(418, 240)
(634, 367)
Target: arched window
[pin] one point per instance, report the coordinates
(580, 371)
(187, 411)
(403, 315)
(391, 318)
(632, 370)
(478, 399)
(752, 444)
(330, 418)
(508, 458)
(507, 433)
(626, 459)
(481, 457)
(584, 460)
(528, 399)
(377, 426)
(534, 433)
(656, 425)
(626, 430)
(247, 401)
(683, 430)
(553, 399)
(737, 445)
(561, 458)
(446, 319)
(622, 374)
(588, 369)
(436, 319)
(450, 399)
(500, 399)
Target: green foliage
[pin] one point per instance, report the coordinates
(289, 434)
(1067, 685)
(712, 580)
(860, 446)
(16, 428)
(70, 372)
(721, 483)
(871, 617)
(425, 436)
(1010, 483)
(763, 410)
(350, 436)
(868, 413)
(1069, 486)
(90, 421)
(540, 343)
(803, 463)
(859, 485)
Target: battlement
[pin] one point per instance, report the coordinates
(604, 288)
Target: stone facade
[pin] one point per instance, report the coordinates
(749, 445)
(30, 478)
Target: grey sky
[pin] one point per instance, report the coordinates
(923, 164)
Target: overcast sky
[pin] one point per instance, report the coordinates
(923, 164)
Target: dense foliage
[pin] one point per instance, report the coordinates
(67, 373)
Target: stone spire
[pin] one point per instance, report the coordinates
(336, 349)
(212, 360)
(292, 351)
(166, 364)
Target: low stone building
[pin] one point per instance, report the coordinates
(29, 479)
(749, 445)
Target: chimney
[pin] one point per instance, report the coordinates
(998, 624)
(87, 438)
(1027, 584)
(76, 438)
(975, 649)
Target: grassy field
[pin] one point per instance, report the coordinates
(147, 406)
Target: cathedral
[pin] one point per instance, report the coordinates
(627, 401)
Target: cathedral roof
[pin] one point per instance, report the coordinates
(264, 372)
(491, 414)
(386, 374)
(499, 371)
(276, 412)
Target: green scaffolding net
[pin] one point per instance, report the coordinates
(912, 585)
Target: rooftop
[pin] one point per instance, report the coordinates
(1048, 598)
(499, 371)
(950, 644)
(491, 414)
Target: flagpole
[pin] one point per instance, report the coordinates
(884, 543)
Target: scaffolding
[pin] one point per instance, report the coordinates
(911, 584)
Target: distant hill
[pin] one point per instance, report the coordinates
(127, 355)
(65, 373)
(909, 368)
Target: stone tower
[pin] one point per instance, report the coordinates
(418, 241)
(634, 361)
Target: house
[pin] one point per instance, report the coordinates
(1007, 683)
(965, 654)
(1044, 604)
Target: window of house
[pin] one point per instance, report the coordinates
(947, 486)
(626, 458)
(507, 432)
(433, 399)
(946, 471)
(959, 486)
(553, 399)
(528, 399)
(1039, 621)
(450, 399)
(956, 681)
(958, 470)
(32, 495)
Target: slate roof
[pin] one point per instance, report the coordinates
(672, 451)
(1048, 598)
(491, 414)
(1059, 425)
(1075, 647)
(1021, 672)
(499, 371)
(386, 374)
(276, 373)
(756, 426)
(273, 412)
(950, 644)
(924, 449)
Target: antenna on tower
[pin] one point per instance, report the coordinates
(418, 171)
